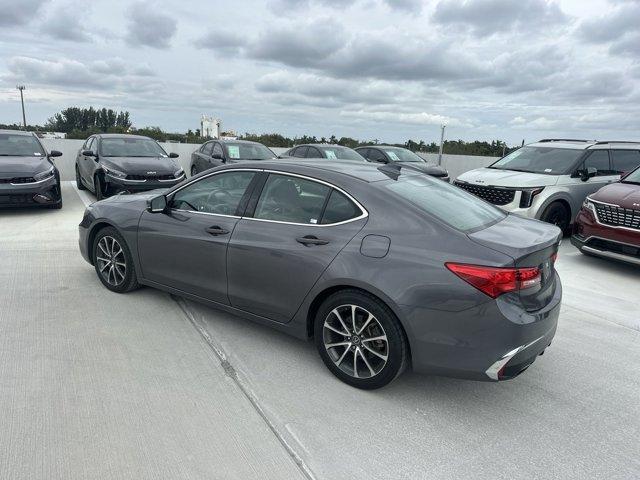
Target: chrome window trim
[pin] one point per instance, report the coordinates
(205, 213)
(364, 213)
(174, 179)
(606, 225)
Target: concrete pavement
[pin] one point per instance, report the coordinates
(99, 385)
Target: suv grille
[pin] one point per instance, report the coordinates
(17, 180)
(151, 178)
(618, 216)
(495, 195)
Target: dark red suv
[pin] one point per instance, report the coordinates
(608, 224)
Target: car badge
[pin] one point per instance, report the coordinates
(151, 173)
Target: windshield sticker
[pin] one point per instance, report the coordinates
(37, 154)
(393, 155)
(548, 170)
(331, 154)
(234, 151)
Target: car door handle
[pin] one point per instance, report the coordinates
(311, 240)
(216, 230)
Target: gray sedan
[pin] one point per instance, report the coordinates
(383, 269)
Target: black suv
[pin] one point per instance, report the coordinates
(218, 152)
(402, 157)
(112, 163)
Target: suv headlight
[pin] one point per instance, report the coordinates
(114, 173)
(178, 173)
(527, 196)
(44, 175)
(589, 205)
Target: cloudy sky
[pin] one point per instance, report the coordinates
(370, 69)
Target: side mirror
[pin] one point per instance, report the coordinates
(173, 155)
(217, 156)
(381, 160)
(157, 204)
(588, 173)
(55, 153)
(88, 153)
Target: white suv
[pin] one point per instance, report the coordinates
(550, 179)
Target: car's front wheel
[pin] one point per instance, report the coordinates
(113, 261)
(79, 183)
(360, 339)
(558, 215)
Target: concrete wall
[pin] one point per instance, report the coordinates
(455, 164)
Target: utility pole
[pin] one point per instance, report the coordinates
(442, 127)
(24, 118)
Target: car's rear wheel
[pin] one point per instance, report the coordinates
(360, 340)
(79, 183)
(113, 261)
(558, 215)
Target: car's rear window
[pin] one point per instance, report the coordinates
(447, 203)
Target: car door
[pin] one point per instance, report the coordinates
(186, 247)
(579, 188)
(283, 244)
(86, 164)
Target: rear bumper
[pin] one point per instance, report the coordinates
(594, 238)
(494, 341)
(43, 193)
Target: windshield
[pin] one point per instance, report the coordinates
(12, 145)
(449, 204)
(402, 155)
(342, 153)
(248, 151)
(130, 147)
(548, 160)
(633, 177)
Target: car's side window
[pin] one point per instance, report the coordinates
(218, 194)
(91, 144)
(625, 160)
(599, 159)
(217, 148)
(291, 199)
(301, 152)
(207, 148)
(376, 155)
(339, 209)
(364, 152)
(313, 153)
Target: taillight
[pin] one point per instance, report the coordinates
(494, 281)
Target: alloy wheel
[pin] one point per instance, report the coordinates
(355, 341)
(112, 263)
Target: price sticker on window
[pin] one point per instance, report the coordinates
(234, 151)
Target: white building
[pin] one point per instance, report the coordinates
(210, 127)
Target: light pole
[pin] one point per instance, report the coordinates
(442, 127)
(24, 118)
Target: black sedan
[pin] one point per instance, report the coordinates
(402, 157)
(28, 176)
(112, 163)
(323, 150)
(219, 152)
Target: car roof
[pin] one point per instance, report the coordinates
(321, 145)
(323, 170)
(583, 144)
(121, 135)
(235, 141)
(17, 132)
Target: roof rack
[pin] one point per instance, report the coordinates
(564, 140)
(604, 142)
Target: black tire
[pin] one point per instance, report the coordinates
(79, 182)
(558, 215)
(97, 182)
(122, 278)
(194, 171)
(363, 375)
